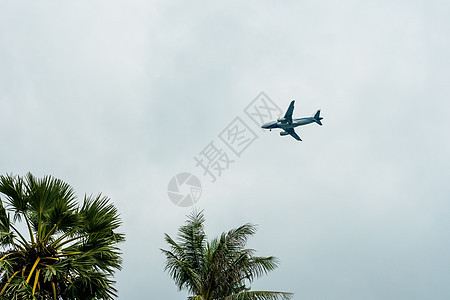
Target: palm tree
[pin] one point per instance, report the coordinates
(71, 251)
(220, 269)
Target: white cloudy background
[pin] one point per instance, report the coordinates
(118, 97)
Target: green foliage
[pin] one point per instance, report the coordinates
(220, 268)
(72, 251)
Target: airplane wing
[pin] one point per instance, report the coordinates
(292, 132)
(288, 114)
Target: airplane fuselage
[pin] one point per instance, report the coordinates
(284, 125)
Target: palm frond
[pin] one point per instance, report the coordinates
(12, 188)
(6, 235)
(260, 295)
(217, 269)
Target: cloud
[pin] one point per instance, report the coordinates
(119, 98)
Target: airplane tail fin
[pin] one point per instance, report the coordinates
(317, 118)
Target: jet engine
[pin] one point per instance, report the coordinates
(282, 120)
(284, 133)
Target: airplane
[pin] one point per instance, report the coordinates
(288, 124)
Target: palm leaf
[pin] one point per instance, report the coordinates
(260, 295)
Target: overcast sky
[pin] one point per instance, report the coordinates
(118, 97)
